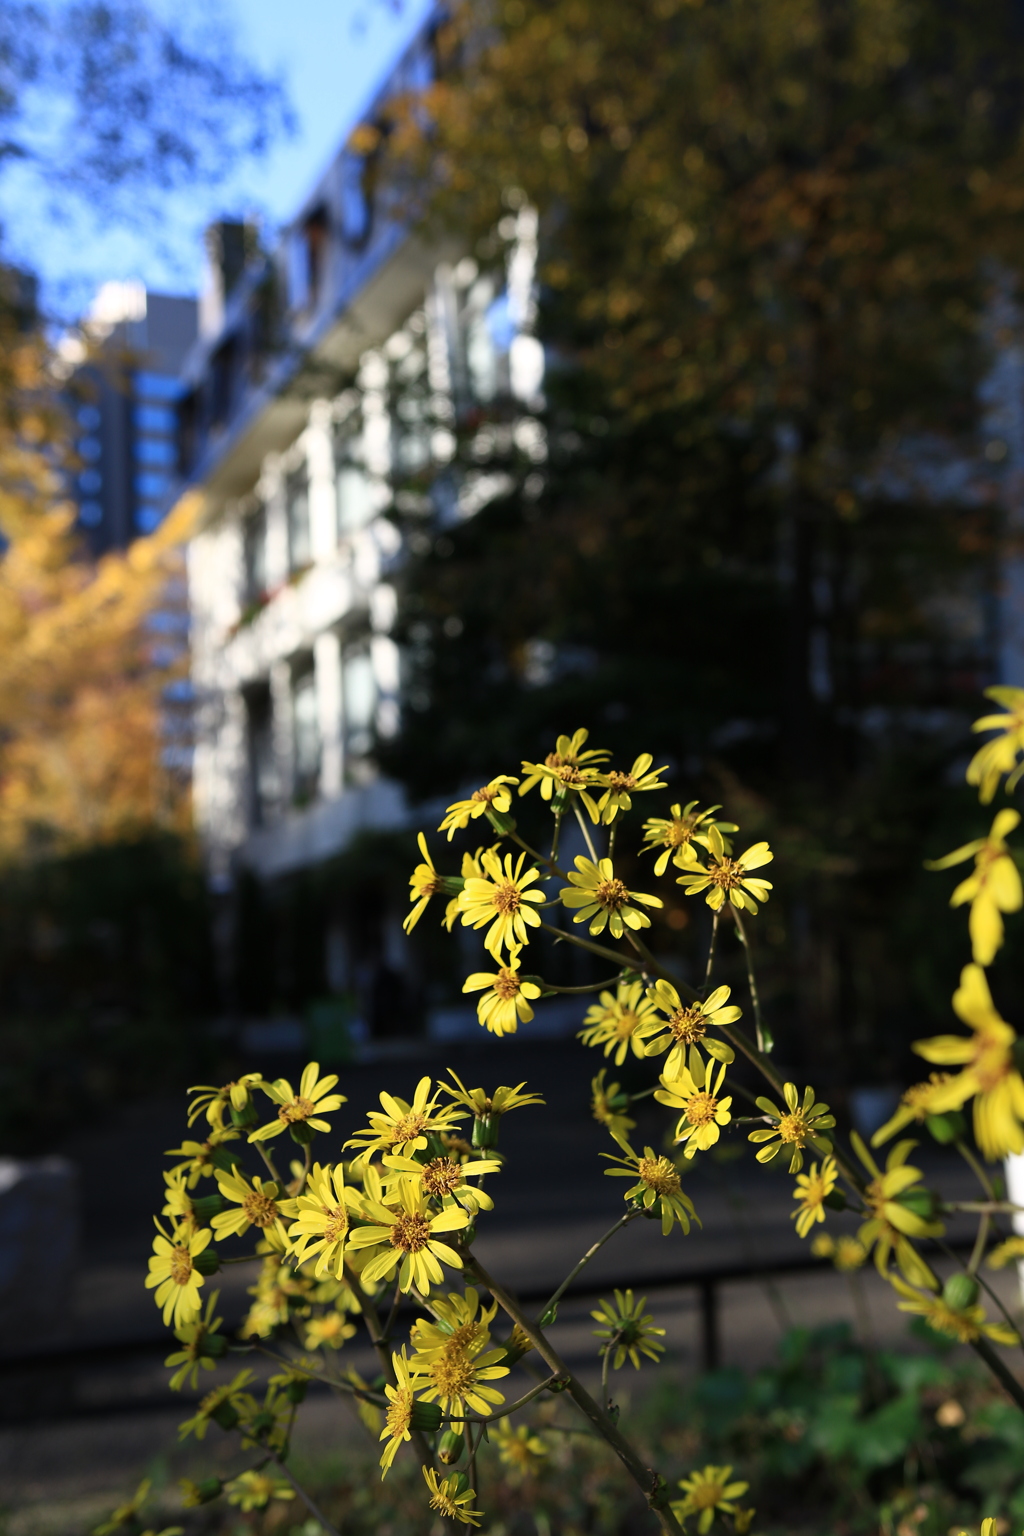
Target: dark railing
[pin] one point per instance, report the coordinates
(42, 1385)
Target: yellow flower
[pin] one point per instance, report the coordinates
(494, 796)
(258, 1207)
(235, 1096)
(620, 786)
(451, 1497)
(203, 1158)
(173, 1272)
(726, 877)
(519, 1449)
(658, 1186)
(989, 1068)
(404, 1127)
(254, 1490)
(811, 1191)
(964, 1322)
(993, 888)
(425, 882)
(501, 898)
(225, 1405)
(684, 825)
(629, 1332)
(561, 770)
(686, 1026)
(444, 1178)
(322, 1224)
(901, 1208)
(457, 1375)
(915, 1104)
(457, 1319)
(328, 1332)
(845, 1252)
(797, 1126)
(407, 1238)
(708, 1492)
(620, 1023)
(507, 999)
(299, 1112)
(127, 1513)
(1012, 1248)
(599, 895)
(404, 1413)
(607, 1105)
(204, 1346)
(999, 755)
(276, 1288)
(488, 1107)
(179, 1204)
(704, 1111)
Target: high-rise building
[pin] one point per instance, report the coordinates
(125, 402)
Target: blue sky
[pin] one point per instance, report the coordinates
(334, 54)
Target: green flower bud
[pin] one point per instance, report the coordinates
(296, 1390)
(206, 1206)
(226, 1415)
(207, 1262)
(301, 1133)
(451, 1447)
(960, 1291)
(948, 1127)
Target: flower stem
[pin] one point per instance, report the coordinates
(764, 1039)
(492, 1418)
(570, 1277)
(592, 986)
(711, 951)
(304, 1496)
(646, 1479)
(586, 831)
(1002, 1372)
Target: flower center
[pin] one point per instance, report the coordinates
(486, 795)
(298, 1109)
(626, 1022)
(336, 1225)
(507, 897)
(453, 1372)
(465, 1336)
(728, 874)
(506, 983)
(399, 1412)
(611, 894)
(410, 1232)
(794, 1128)
(658, 1174)
(678, 832)
(181, 1266)
(443, 1504)
(700, 1109)
(407, 1128)
(621, 781)
(706, 1496)
(441, 1176)
(688, 1025)
(260, 1209)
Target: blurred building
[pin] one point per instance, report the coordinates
(125, 402)
(327, 383)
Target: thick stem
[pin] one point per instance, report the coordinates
(570, 1277)
(646, 1478)
(554, 841)
(1002, 1372)
(373, 1328)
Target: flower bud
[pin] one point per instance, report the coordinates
(301, 1133)
(451, 1447)
(245, 1116)
(206, 1206)
(215, 1345)
(205, 1492)
(225, 1414)
(485, 1131)
(296, 1390)
(948, 1127)
(960, 1291)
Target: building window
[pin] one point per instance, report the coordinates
(358, 702)
(300, 546)
(306, 734)
(352, 487)
(254, 554)
(264, 778)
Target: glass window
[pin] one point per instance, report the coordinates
(148, 518)
(90, 481)
(89, 448)
(89, 418)
(90, 514)
(355, 499)
(157, 386)
(151, 484)
(264, 779)
(254, 547)
(300, 547)
(306, 738)
(155, 418)
(359, 700)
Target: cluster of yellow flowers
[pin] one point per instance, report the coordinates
(343, 1242)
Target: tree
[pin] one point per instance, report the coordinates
(772, 235)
